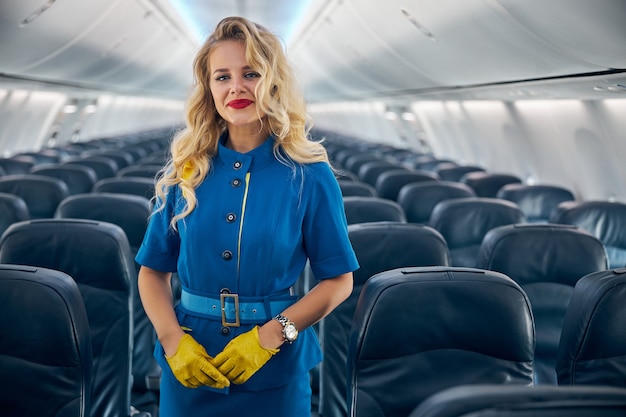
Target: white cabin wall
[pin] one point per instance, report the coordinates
(365, 120)
(118, 115)
(33, 119)
(25, 117)
(578, 144)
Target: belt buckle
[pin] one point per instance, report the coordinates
(235, 297)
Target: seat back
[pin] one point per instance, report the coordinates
(45, 344)
(13, 209)
(592, 350)
(378, 247)
(389, 183)
(455, 173)
(464, 222)
(417, 331)
(103, 166)
(372, 209)
(131, 213)
(143, 187)
(606, 220)
(537, 201)
(78, 178)
(538, 401)
(370, 171)
(487, 184)
(546, 260)
(351, 188)
(41, 194)
(98, 257)
(419, 199)
(142, 171)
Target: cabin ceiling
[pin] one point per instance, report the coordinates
(343, 50)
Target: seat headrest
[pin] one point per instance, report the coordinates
(93, 253)
(531, 253)
(593, 341)
(465, 221)
(380, 246)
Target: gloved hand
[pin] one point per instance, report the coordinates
(192, 367)
(243, 356)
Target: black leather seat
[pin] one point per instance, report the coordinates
(592, 350)
(378, 247)
(41, 194)
(131, 213)
(606, 220)
(537, 201)
(45, 347)
(419, 199)
(546, 260)
(98, 257)
(145, 171)
(389, 183)
(13, 166)
(455, 173)
(538, 401)
(417, 331)
(356, 189)
(370, 171)
(372, 209)
(13, 209)
(353, 162)
(487, 184)
(78, 178)
(464, 222)
(143, 187)
(103, 166)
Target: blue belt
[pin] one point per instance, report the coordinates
(234, 310)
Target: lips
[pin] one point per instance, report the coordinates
(240, 104)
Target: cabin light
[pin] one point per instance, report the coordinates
(390, 115)
(36, 13)
(599, 88)
(617, 88)
(90, 108)
(70, 108)
(409, 117)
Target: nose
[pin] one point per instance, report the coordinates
(236, 86)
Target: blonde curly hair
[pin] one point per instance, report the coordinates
(277, 96)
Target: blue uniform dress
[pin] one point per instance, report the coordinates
(257, 222)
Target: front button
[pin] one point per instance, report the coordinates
(225, 330)
(227, 255)
(237, 165)
(236, 182)
(231, 217)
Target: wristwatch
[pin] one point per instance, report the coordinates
(290, 331)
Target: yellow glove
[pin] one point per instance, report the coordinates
(192, 367)
(243, 356)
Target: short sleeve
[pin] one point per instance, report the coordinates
(325, 228)
(161, 243)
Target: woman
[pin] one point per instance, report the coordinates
(244, 202)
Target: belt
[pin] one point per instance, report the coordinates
(234, 310)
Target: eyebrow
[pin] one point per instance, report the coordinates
(222, 70)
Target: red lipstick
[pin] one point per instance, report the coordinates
(240, 104)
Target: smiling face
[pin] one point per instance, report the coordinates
(232, 86)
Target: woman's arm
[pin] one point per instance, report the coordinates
(314, 306)
(155, 291)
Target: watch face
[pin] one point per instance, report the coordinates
(291, 333)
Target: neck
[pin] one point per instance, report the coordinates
(244, 140)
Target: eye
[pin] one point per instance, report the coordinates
(252, 74)
(221, 78)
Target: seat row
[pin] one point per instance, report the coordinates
(443, 325)
(93, 238)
